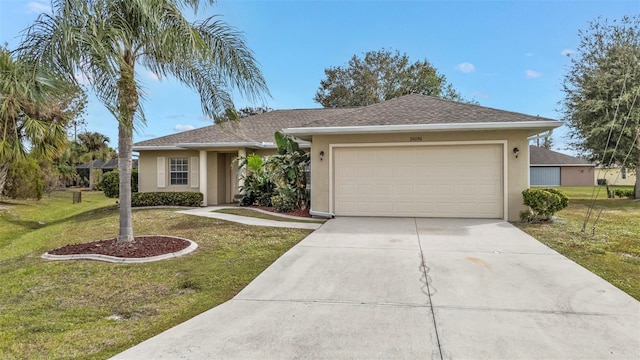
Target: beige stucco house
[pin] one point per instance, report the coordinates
(616, 175)
(414, 155)
(551, 168)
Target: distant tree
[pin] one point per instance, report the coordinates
(96, 146)
(248, 111)
(379, 76)
(36, 105)
(106, 40)
(546, 142)
(601, 89)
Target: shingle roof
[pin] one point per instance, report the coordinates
(411, 109)
(541, 156)
(421, 109)
(256, 128)
(109, 165)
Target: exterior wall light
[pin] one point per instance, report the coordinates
(321, 154)
(516, 152)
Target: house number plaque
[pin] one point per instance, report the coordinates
(415, 138)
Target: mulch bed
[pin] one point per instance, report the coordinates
(141, 247)
(301, 213)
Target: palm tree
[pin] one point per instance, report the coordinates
(32, 114)
(96, 147)
(106, 39)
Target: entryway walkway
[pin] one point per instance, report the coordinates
(388, 288)
(210, 211)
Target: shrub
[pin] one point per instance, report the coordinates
(543, 203)
(623, 193)
(23, 180)
(283, 203)
(184, 198)
(110, 183)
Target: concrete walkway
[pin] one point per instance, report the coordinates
(383, 288)
(210, 212)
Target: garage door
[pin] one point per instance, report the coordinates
(544, 176)
(423, 181)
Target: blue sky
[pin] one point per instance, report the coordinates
(509, 55)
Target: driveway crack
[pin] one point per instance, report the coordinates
(425, 273)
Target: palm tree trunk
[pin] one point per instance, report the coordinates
(125, 149)
(4, 170)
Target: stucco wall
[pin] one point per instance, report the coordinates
(577, 176)
(148, 169)
(614, 176)
(517, 168)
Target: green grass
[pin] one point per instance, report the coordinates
(611, 250)
(92, 310)
(261, 215)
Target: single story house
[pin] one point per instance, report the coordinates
(105, 166)
(616, 175)
(551, 168)
(414, 155)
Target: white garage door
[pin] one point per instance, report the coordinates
(422, 181)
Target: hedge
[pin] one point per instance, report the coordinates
(185, 198)
(110, 183)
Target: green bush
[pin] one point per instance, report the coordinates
(23, 180)
(184, 198)
(543, 203)
(110, 183)
(283, 203)
(623, 193)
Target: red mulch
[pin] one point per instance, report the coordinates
(141, 247)
(301, 213)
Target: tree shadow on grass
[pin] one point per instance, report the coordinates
(90, 215)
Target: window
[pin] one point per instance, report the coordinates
(624, 173)
(179, 171)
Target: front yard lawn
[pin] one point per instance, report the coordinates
(92, 310)
(612, 252)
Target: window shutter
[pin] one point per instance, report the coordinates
(162, 174)
(195, 176)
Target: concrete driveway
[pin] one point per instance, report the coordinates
(413, 288)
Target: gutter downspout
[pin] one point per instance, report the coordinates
(322, 214)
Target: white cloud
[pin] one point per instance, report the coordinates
(466, 67)
(532, 74)
(174, 116)
(205, 118)
(528, 54)
(153, 76)
(181, 127)
(567, 52)
(39, 6)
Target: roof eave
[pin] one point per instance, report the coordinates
(548, 165)
(307, 133)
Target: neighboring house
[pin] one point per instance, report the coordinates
(105, 166)
(616, 175)
(551, 168)
(414, 155)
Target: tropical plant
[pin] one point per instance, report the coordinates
(288, 171)
(96, 146)
(106, 39)
(34, 110)
(256, 187)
